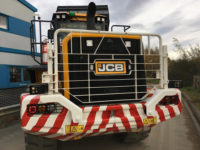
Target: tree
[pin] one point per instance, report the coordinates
(188, 65)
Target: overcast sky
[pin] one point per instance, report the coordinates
(171, 18)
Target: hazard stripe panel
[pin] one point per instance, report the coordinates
(97, 120)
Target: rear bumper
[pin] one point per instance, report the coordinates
(96, 120)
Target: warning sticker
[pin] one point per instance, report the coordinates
(74, 129)
(150, 121)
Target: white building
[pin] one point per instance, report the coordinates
(15, 17)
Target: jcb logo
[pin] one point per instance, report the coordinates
(110, 67)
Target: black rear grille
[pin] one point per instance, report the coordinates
(85, 86)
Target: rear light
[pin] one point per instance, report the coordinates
(63, 16)
(98, 19)
(167, 100)
(32, 109)
(58, 16)
(38, 88)
(41, 108)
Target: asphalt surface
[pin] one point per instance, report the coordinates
(176, 134)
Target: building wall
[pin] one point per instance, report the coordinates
(15, 41)
(16, 9)
(16, 59)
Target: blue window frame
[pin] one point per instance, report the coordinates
(19, 74)
(14, 25)
(13, 76)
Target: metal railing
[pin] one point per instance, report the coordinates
(154, 67)
(11, 96)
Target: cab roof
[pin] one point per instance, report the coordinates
(100, 10)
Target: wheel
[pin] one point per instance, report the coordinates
(132, 137)
(33, 142)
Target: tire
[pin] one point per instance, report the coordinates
(132, 137)
(33, 142)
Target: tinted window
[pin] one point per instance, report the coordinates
(26, 75)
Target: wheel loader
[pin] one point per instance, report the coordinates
(90, 81)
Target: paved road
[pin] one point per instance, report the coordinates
(175, 134)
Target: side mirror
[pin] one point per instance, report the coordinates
(50, 34)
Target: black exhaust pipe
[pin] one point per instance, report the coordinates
(91, 16)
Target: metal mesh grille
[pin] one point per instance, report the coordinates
(84, 85)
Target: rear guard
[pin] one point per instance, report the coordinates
(74, 122)
(80, 64)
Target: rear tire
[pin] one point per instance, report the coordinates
(132, 137)
(33, 142)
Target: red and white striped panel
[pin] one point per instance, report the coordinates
(97, 120)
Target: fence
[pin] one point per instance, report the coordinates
(10, 96)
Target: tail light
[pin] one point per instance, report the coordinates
(38, 88)
(167, 100)
(41, 108)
